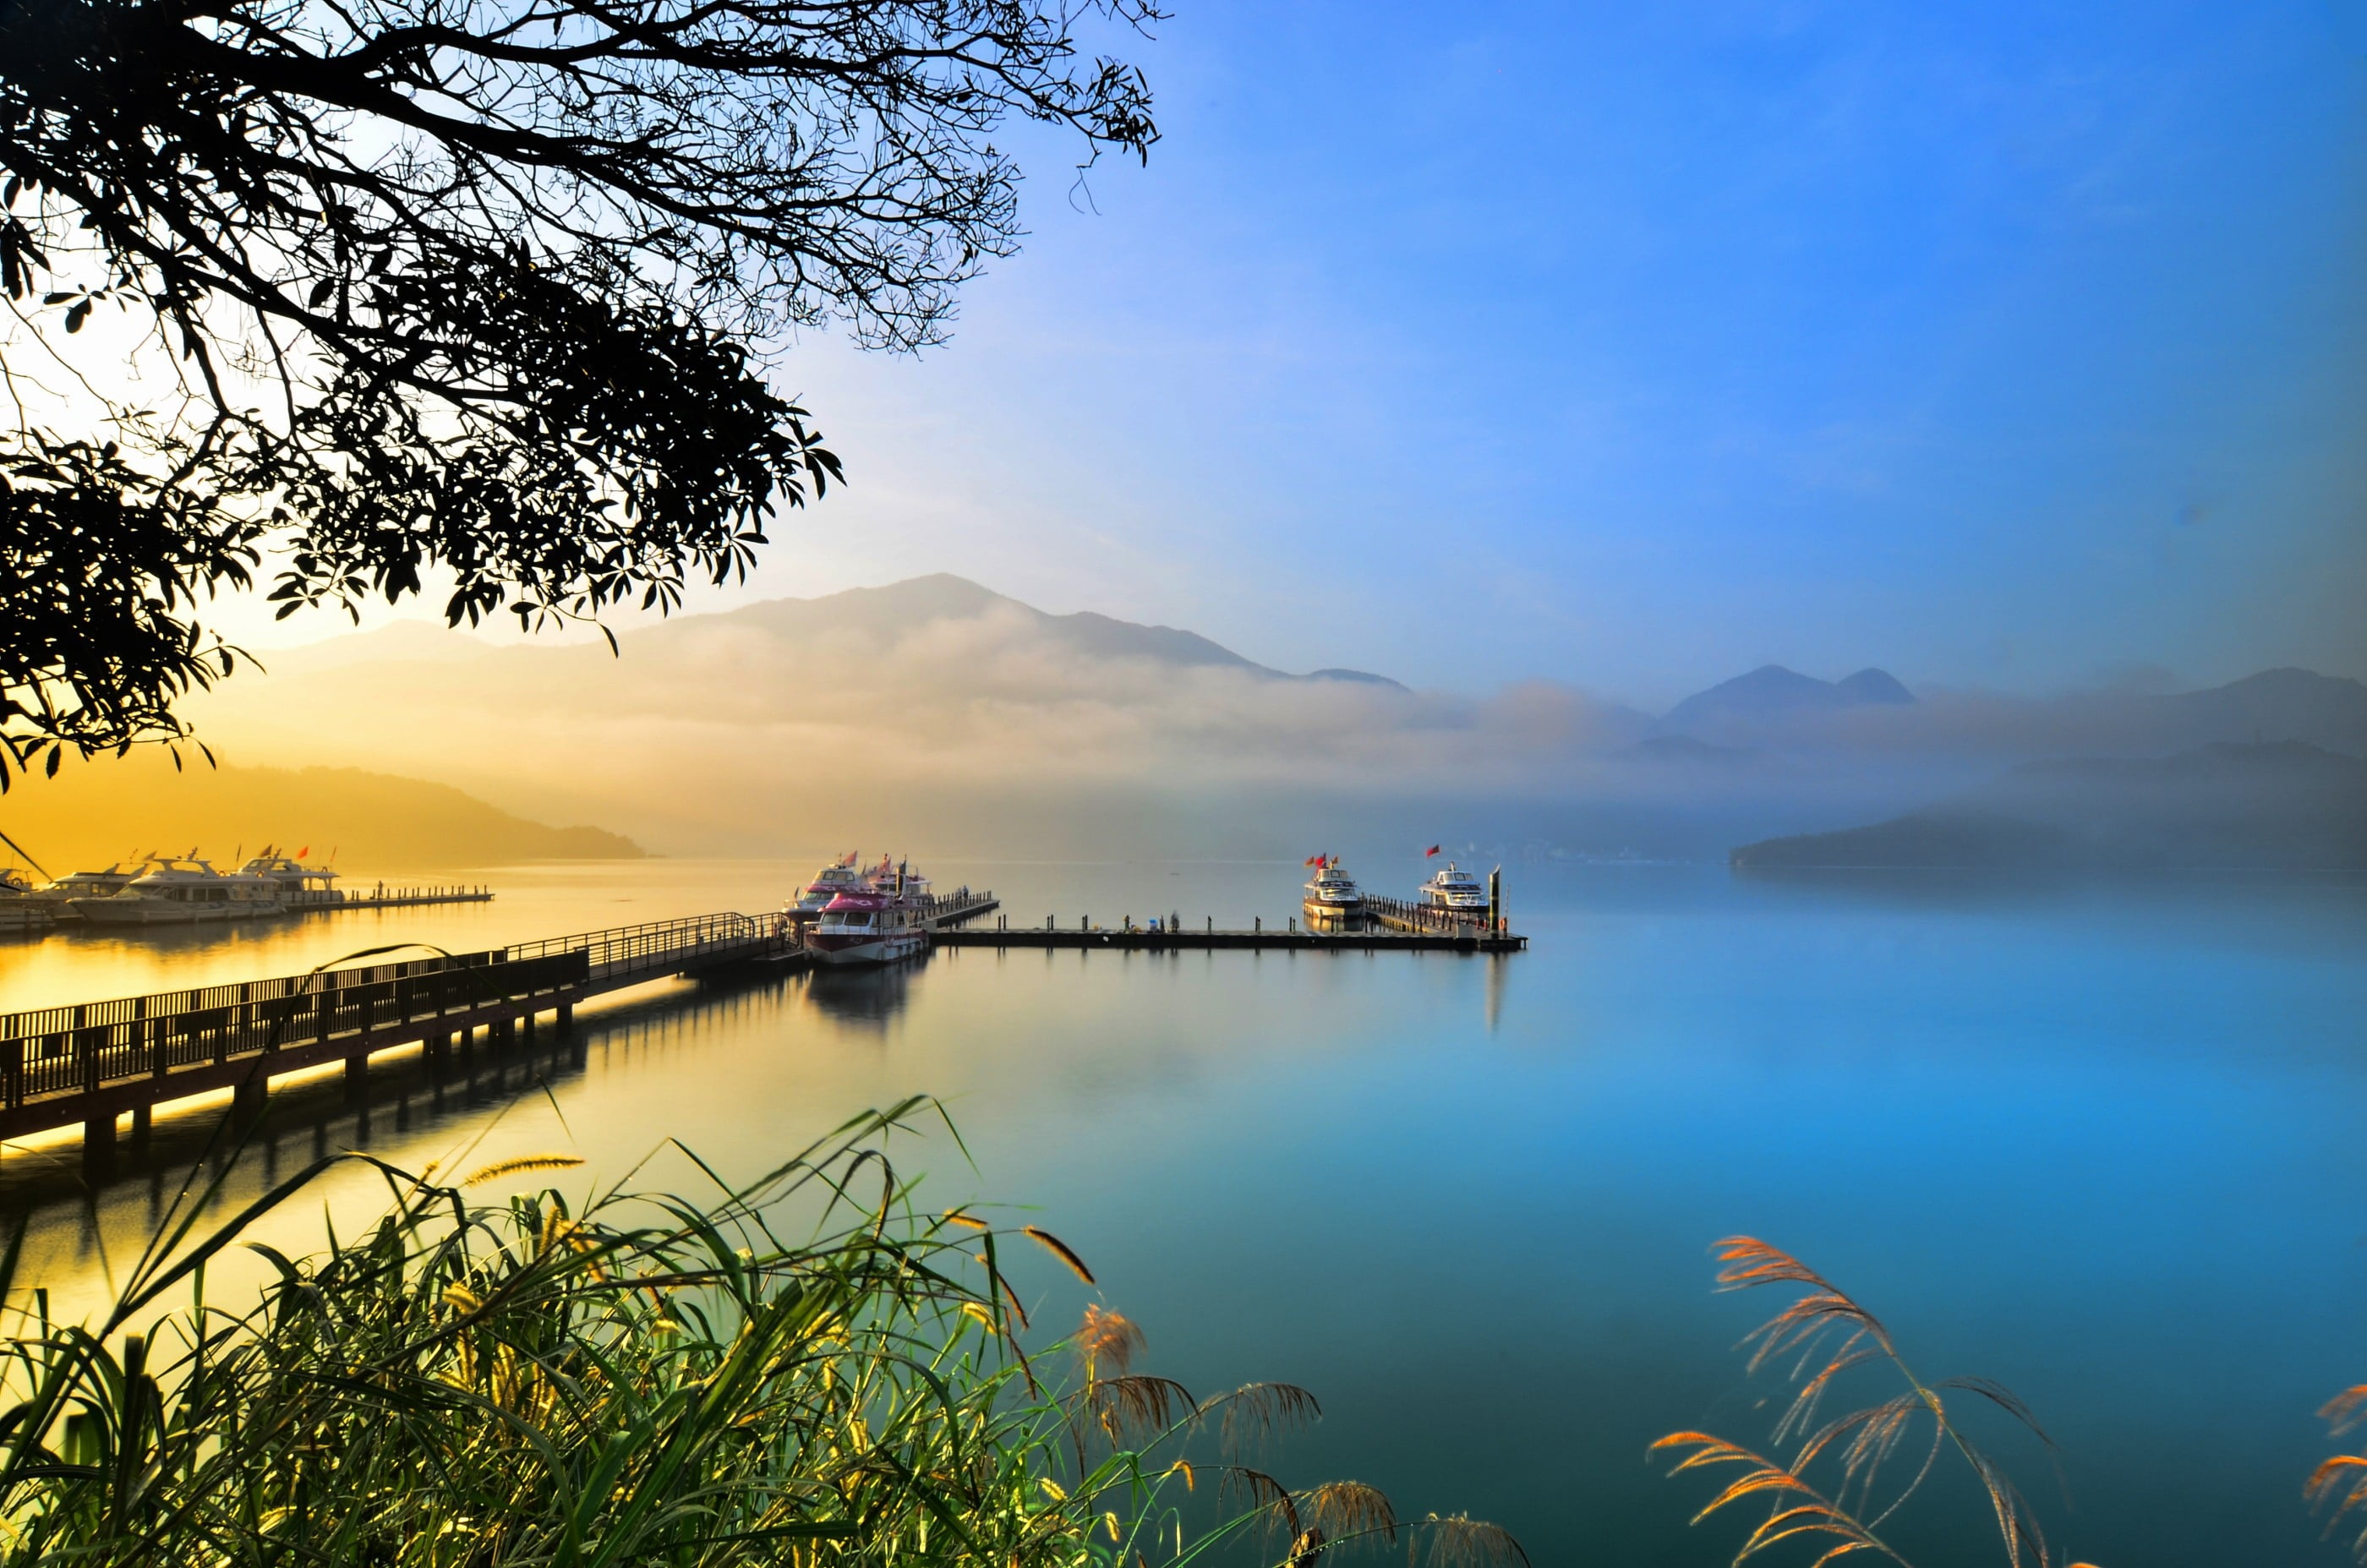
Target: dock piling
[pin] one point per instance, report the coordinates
(98, 1145)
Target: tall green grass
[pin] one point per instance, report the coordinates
(806, 1369)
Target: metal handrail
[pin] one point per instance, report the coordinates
(1430, 916)
(136, 1037)
(621, 949)
(62, 1049)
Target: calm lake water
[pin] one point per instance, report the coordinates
(2103, 1145)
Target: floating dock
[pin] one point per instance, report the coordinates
(385, 898)
(1140, 939)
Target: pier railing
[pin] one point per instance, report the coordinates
(1426, 917)
(63, 1049)
(660, 946)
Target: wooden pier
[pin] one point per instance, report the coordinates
(90, 1063)
(1141, 939)
(384, 898)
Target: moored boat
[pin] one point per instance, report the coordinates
(839, 876)
(183, 891)
(57, 896)
(1332, 898)
(866, 926)
(20, 910)
(1456, 889)
(884, 920)
(301, 887)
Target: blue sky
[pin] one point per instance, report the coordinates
(2007, 344)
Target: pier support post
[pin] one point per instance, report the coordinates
(246, 1100)
(98, 1147)
(142, 1122)
(356, 1079)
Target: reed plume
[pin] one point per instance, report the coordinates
(1457, 1541)
(2338, 1485)
(1106, 1336)
(1254, 1413)
(518, 1165)
(1059, 1249)
(1825, 1335)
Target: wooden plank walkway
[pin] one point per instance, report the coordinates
(91, 1063)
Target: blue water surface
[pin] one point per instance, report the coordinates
(2100, 1143)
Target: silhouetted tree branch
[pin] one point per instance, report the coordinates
(464, 285)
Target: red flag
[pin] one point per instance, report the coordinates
(1429, 852)
(1311, 859)
(302, 853)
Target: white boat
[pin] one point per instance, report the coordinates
(301, 887)
(57, 896)
(1332, 897)
(840, 876)
(1456, 889)
(183, 891)
(20, 910)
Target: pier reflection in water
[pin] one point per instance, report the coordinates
(1465, 1199)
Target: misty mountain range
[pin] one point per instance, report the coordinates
(1773, 692)
(2283, 806)
(885, 613)
(935, 710)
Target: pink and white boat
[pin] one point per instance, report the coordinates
(881, 922)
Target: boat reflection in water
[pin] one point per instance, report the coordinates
(862, 998)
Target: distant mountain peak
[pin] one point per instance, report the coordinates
(1364, 677)
(1773, 691)
(896, 607)
(1872, 685)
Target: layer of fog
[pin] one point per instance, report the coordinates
(729, 733)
